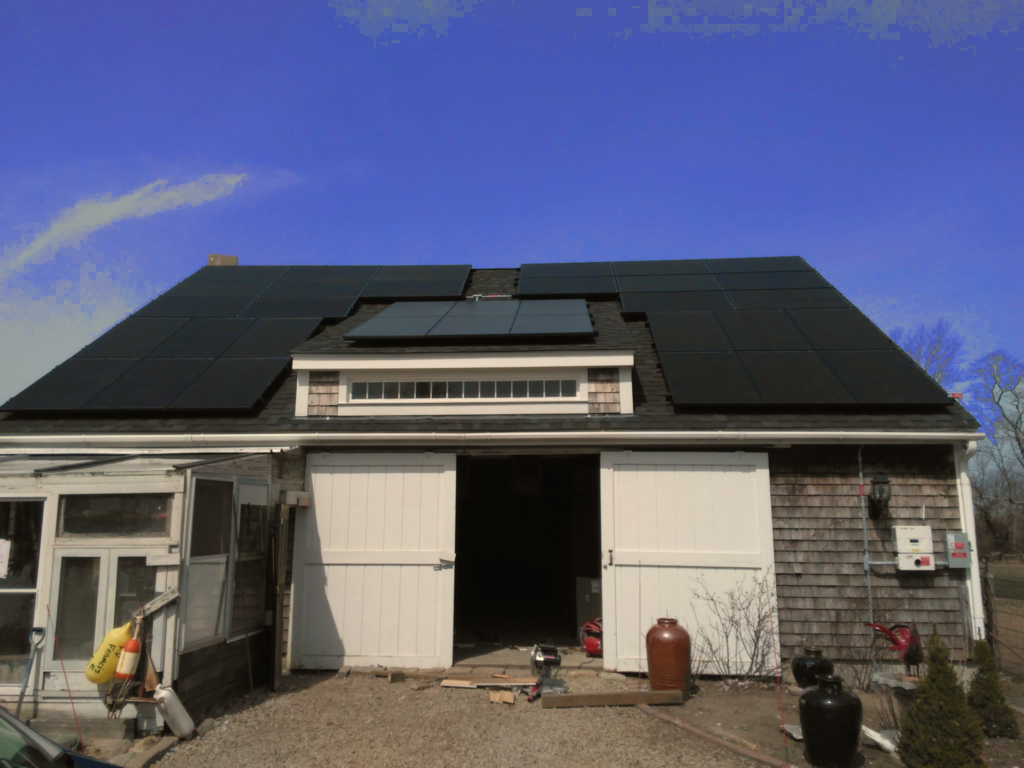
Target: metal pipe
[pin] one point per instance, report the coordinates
(867, 552)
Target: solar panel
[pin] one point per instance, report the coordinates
(689, 301)
(794, 378)
(484, 325)
(318, 308)
(484, 308)
(260, 272)
(417, 309)
(425, 272)
(552, 325)
(329, 272)
(314, 289)
(212, 307)
(414, 289)
(566, 269)
(134, 337)
(70, 385)
(152, 383)
(203, 337)
(230, 384)
(807, 298)
(567, 286)
(272, 337)
(839, 329)
(393, 328)
(654, 283)
(759, 264)
(746, 281)
(762, 330)
(552, 307)
(707, 378)
(688, 332)
(667, 267)
(885, 377)
(202, 289)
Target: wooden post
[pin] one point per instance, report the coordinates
(280, 566)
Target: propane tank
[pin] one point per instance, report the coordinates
(174, 712)
(102, 664)
(128, 661)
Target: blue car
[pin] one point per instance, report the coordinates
(21, 747)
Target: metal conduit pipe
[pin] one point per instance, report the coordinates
(867, 551)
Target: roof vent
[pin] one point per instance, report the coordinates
(958, 396)
(220, 260)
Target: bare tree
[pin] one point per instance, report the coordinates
(936, 348)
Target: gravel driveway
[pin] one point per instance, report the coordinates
(320, 720)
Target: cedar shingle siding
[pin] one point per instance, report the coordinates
(603, 390)
(323, 393)
(817, 530)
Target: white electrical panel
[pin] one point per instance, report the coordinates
(916, 562)
(912, 539)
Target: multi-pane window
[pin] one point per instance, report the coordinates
(120, 514)
(462, 390)
(21, 524)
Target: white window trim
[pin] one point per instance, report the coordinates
(489, 361)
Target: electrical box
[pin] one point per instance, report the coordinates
(916, 562)
(958, 550)
(912, 539)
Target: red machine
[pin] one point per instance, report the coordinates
(905, 641)
(590, 637)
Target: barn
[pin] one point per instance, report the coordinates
(402, 465)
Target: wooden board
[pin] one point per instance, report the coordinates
(488, 682)
(503, 697)
(625, 699)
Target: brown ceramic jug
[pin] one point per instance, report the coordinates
(668, 656)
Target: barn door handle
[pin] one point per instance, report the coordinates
(611, 558)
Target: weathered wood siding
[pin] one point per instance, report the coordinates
(819, 551)
(289, 474)
(603, 390)
(219, 673)
(324, 387)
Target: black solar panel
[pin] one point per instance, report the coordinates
(552, 307)
(691, 301)
(230, 384)
(748, 281)
(70, 385)
(759, 264)
(807, 298)
(567, 286)
(667, 267)
(453, 272)
(214, 307)
(414, 289)
(483, 325)
(762, 330)
(708, 378)
(688, 332)
(203, 337)
(393, 328)
(329, 272)
(152, 383)
(794, 378)
(203, 289)
(484, 309)
(261, 272)
(314, 289)
(417, 309)
(134, 337)
(314, 308)
(674, 283)
(885, 377)
(566, 269)
(839, 329)
(273, 337)
(552, 325)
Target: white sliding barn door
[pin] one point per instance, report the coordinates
(375, 551)
(667, 520)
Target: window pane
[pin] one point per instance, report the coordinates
(375, 391)
(391, 390)
(536, 389)
(422, 390)
(359, 390)
(249, 598)
(407, 390)
(211, 518)
(552, 389)
(20, 523)
(568, 387)
(454, 389)
(518, 389)
(136, 586)
(504, 388)
(76, 607)
(115, 515)
(472, 389)
(252, 517)
(205, 600)
(486, 389)
(16, 610)
(438, 388)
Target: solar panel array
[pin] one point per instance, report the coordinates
(474, 319)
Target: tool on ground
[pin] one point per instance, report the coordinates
(543, 658)
(905, 641)
(35, 640)
(590, 638)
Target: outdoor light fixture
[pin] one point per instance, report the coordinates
(880, 495)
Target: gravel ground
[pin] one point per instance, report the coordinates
(319, 720)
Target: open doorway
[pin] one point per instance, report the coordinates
(528, 538)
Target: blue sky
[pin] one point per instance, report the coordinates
(137, 138)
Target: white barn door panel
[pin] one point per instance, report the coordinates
(667, 521)
(375, 552)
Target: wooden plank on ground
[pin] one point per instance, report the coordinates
(503, 697)
(487, 682)
(623, 699)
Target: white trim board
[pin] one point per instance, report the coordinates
(490, 362)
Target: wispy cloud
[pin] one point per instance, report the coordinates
(377, 17)
(72, 225)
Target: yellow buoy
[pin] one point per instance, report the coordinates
(103, 663)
